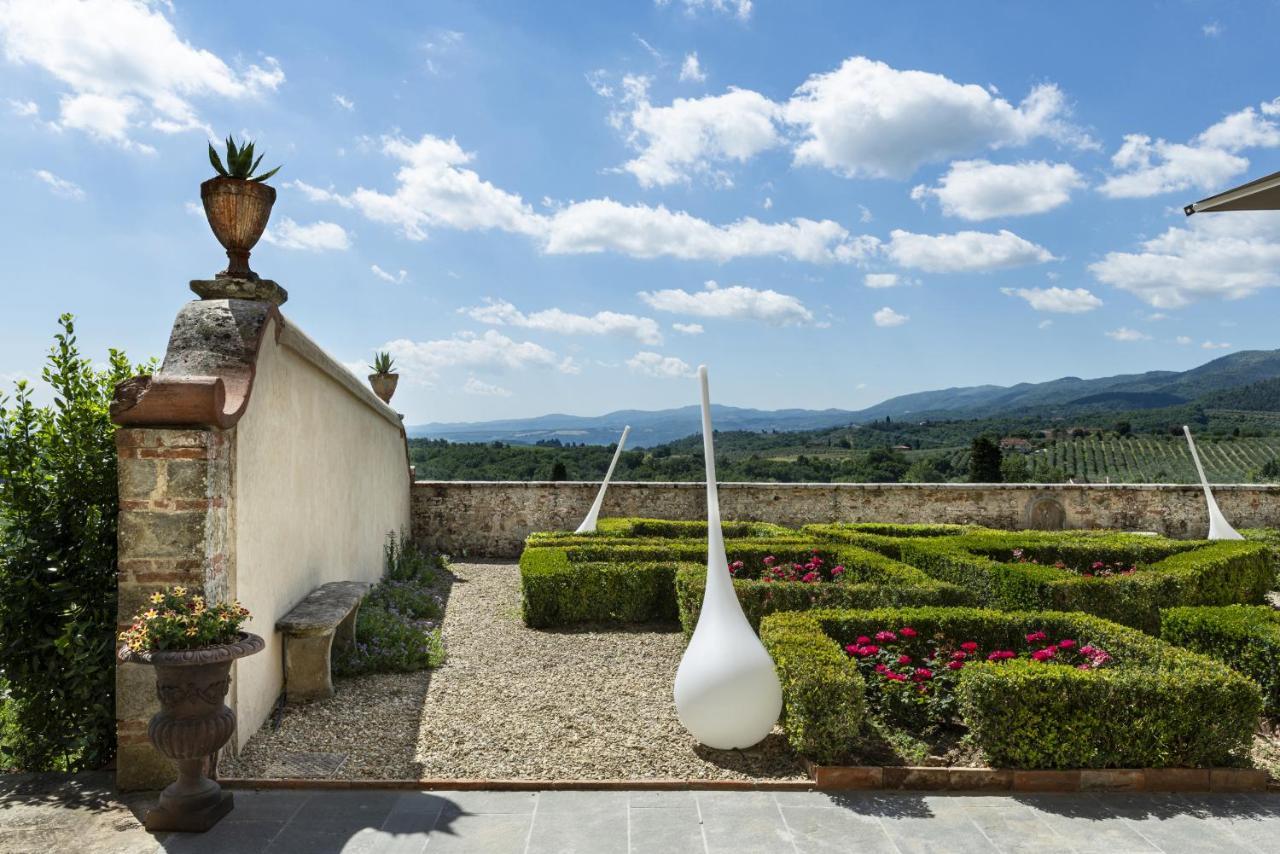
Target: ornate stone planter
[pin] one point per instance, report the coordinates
(193, 723)
(384, 385)
(237, 211)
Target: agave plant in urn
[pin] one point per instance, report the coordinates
(192, 644)
(237, 204)
(383, 379)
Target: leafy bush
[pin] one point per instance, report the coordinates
(58, 511)
(1169, 572)
(658, 529)
(1244, 636)
(558, 591)
(1156, 705)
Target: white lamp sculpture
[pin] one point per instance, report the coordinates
(588, 525)
(1219, 527)
(727, 691)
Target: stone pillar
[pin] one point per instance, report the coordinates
(175, 528)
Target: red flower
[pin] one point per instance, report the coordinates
(1000, 655)
(1066, 643)
(894, 677)
(959, 655)
(880, 668)
(837, 570)
(864, 639)
(907, 632)
(1035, 637)
(770, 560)
(923, 673)
(1044, 654)
(969, 646)
(853, 649)
(904, 659)
(870, 649)
(886, 637)
(955, 665)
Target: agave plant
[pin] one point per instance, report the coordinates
(382, 363)
(240, 162)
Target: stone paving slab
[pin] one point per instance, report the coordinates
(80, 817)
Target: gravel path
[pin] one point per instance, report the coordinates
(511, 703)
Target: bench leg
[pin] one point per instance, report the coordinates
(307, 668)
(344, 637)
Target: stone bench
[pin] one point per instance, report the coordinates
(325, 618)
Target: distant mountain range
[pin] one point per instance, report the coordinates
(1220, 382)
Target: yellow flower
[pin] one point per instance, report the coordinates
(157, 597)
(191, 631)
(151, 614)
(180, 591)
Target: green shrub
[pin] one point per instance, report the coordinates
(1247, 637)
(658, 529)
(1169, 572)
(559, 591)
(1270, 536)
(58, 512)
(1155, 705)
(837, 531)
(870, 580)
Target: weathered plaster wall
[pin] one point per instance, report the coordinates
(493, 518)
(321, 478)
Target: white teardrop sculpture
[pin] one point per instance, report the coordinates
(588, 525)
(1219, 527)
(727, 691)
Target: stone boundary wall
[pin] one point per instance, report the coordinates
(492, 518)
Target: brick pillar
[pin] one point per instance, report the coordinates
(175, 528)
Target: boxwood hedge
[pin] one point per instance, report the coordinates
(557, 590)
(1247, 637)
(1169, 572)
(659, 529)
(1155, 706)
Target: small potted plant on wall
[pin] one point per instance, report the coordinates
(237, 204)
(191, 644)
(383, 379)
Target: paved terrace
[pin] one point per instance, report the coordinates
(50, 814)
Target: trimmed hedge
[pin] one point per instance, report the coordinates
(870, 580)
(659, 529)
(1247, 637)
(1155, 706)
(558, 591)
(1169, 572)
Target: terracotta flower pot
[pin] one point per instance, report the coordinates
(237, 211)
(193, 724)
(384, 385)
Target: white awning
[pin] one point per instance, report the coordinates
(1260, 195)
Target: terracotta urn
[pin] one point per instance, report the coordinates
(193, 724)
(237, 211)
(384, 385)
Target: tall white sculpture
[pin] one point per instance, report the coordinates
(1219, 528)
(727, 691)
(588, 525)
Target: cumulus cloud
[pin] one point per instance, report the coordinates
(434, 189)
(867, 119)
(59, 186)
(503, 313)
(1147, 167)
(1226, 257)
(736, 302)
(24, 109)
(1056, 299)
(393, 278)
(979, 189)
(424, 360)
(123, 66)
(657, 365)
(484, 389)
(688, 328)
(888, 317)
(1124, 333)
(1211, 345)
(316, 237)
(964, 251)
(740, 9)
(691, 70)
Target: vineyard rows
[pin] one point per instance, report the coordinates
(1145, 459)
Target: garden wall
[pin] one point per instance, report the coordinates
(493, 518)
(252, 466)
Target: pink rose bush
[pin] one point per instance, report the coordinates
(812, 571)
(1097, 569)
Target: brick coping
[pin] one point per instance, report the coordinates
(848, 778)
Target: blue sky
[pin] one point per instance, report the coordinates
(567, 206)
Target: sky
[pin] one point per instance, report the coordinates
(566, 206)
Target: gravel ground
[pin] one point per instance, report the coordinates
(511, 703)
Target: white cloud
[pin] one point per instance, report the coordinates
(1212, 29)
(441, 44)
(1146, 167)
(740, 9)
(1124, 333)
(24, 109)
(1230, 257)
(882, 280)
(60, 186)
(1044, 324)
(979, 189)
(658, 365)
(868, 119)
(316, 237)
(964, 251)
(736, 302)
(691, 70)
(345, 103)
(484, 389)
(503, 313)
(123, 65)
(424, 360)
(888, 317)
(394, 278)
(1057, 300)
(693, 135)
(1210, 345)
(688, 328)
(1183, 340)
